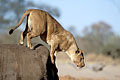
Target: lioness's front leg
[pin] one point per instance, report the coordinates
(52, 51)
(52, 55)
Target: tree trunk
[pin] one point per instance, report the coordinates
(20, 63)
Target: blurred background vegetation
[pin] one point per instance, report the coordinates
(97, 38)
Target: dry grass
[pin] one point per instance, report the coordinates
(70, 72)
(68, 77)
(90, 58)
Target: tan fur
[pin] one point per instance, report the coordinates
(40, 23)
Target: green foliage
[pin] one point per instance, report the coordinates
(112, 47)
(95, 36)
(99, 38)
(12, 10)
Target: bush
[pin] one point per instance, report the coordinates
(112, 47)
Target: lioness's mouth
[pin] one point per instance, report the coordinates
(81, 65)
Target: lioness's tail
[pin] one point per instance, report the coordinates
(20, 22)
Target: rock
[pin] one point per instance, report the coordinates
(20, 63)
(98, 67)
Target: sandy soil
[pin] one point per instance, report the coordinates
(110, 70)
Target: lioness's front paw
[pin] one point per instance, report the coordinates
(52, 61)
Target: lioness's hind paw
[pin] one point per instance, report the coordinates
(20, 43)
(32, 48)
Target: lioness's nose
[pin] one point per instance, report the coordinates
(83, 65)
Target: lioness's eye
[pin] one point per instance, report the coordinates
(80, 59)
(77, 51)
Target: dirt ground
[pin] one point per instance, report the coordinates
(98, 67)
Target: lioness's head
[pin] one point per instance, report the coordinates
(78, 58)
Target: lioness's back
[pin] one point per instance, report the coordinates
(40, 21)
(51, 22)
(45, 17)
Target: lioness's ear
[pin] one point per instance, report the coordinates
(81, 52)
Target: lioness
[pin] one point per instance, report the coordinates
(41, 23)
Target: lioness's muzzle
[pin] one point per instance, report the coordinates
(81, 65)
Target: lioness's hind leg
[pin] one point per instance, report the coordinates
(30, 35)
(23, 35)
(29, 40)
(21, 42)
